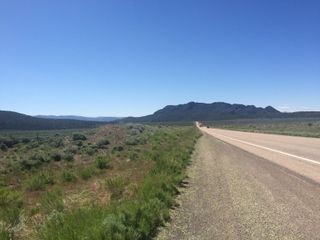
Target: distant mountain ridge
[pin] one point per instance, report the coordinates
(17, 121)
(193, 111)
(188, 112)
(81, 118)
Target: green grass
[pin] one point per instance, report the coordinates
(5, 233)
(39, 181)
(11, 204)
(10, 209)
(102, 162)
(118, 182)
(86, 172)
(139, 216)
(68, 176)
(294, 127)
(52, 201)
(116, 187)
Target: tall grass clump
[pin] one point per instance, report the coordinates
(86, 172)
(5, 233)
(39, 181)
(52, 201)
(116, 187)
(10, 209)
(68, 176)
(102, 162)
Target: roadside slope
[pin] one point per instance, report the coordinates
(234, 194)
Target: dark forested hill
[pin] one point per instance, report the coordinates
(16, 121)
(215, 111)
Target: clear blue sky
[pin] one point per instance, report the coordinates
(133, 57)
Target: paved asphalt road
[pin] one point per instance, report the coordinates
(249, 186)
(299, 154)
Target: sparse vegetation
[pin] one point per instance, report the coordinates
(286, 126)
(66, 187)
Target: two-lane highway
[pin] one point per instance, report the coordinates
(250, 186)
(299, 154)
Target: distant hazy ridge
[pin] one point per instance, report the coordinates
(16, 121)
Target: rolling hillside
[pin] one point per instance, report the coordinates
(17, 121)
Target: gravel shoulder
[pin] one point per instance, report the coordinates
(233, 194)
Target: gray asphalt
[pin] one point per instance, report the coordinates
(235, 194)
(299, 154)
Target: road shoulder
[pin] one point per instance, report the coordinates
(236, 195)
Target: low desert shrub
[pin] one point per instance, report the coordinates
(78, 136)
(132, 140)
(117, 149)
(9, 142)
(3, 147)
(133, 156)
(103, 143)
(28, 164)
(56, 142)
(88, 150)
(68, 157)
(56, 156)
(135, 129)
(71, 149)
(78, 143)
(102, 162)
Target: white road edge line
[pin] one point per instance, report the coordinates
(270, 149)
